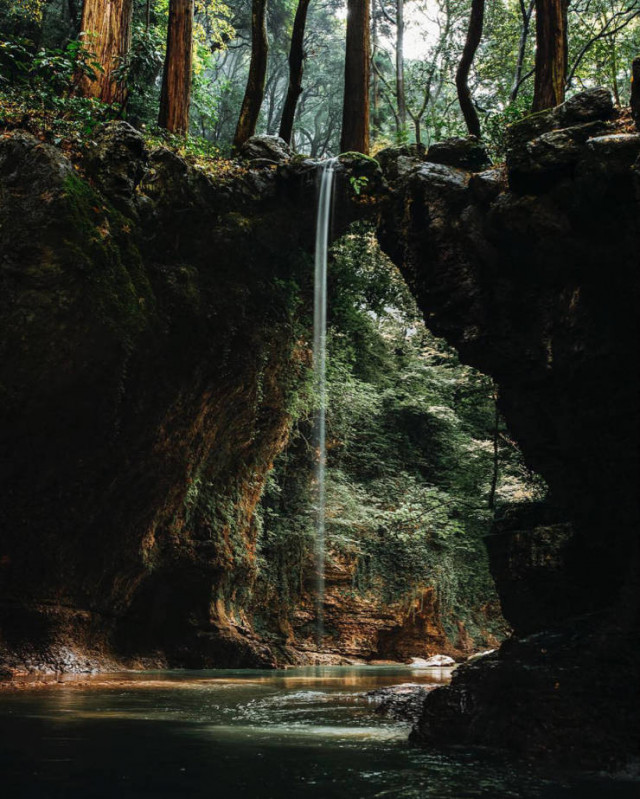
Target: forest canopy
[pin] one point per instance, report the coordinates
(326, 75)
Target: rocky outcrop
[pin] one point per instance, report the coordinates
(531, 272)
(401, 702)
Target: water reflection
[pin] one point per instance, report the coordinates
(300, 733)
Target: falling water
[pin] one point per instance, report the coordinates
(327, 169)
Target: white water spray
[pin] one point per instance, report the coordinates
(327, 170)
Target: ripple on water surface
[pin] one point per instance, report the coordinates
(301, 733)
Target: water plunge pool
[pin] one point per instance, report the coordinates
(307, 732)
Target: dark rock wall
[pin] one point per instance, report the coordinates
(538, 287)
(531, 271)
(150, 344)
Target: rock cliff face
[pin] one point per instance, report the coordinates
(364, 626)
(150, 344)
(154, 324)
(531, 271)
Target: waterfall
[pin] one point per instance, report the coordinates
(327, 169)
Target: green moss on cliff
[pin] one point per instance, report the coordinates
(101, 245)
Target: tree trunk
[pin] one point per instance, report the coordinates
(525, 12)
(106, 25)
(635, 91)
(551, 53)
(176, 78)
(296, 66)
(474, 34)
(376, 117)
(355, 112)
(402, 104)
(254, 92)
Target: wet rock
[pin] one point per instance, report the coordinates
(465, 153)
(548, 696)
(596, 103)
(270, 148)
(435, 661)
(401, 702)
(478, 655)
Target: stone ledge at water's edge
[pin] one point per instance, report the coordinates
(531, 271)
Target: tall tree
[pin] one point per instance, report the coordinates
(296, 66)
(526, 10)
(474, 34)
(400, 92)
(176, 78)
(254, 93)
(355, 110)
(106, 25)
(551, 53)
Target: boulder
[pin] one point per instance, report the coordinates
(587, 106)
(478, 655)
(116, 161)
(539, 163)
(272, 148)
(395, 162)
(434, 662)
(619, 149)
(486, 186)
(462, 152)
(401, 702)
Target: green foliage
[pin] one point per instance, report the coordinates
(39, 63)
(51, 72)
(410, 453)
(139, 73)
(39, 83)
(496, 124)
(358, 183)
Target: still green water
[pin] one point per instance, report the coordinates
(233, 734)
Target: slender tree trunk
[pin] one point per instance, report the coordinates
(106, 25)
(551, 53)
(417, 128)
(400, 93)
(355, 111)
(474, 34)
(176, 78)
(375, 80)
(526, 12)
(296, 67)
(254, 92)
(635, 90)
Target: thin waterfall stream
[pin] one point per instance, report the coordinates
(327, 171)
